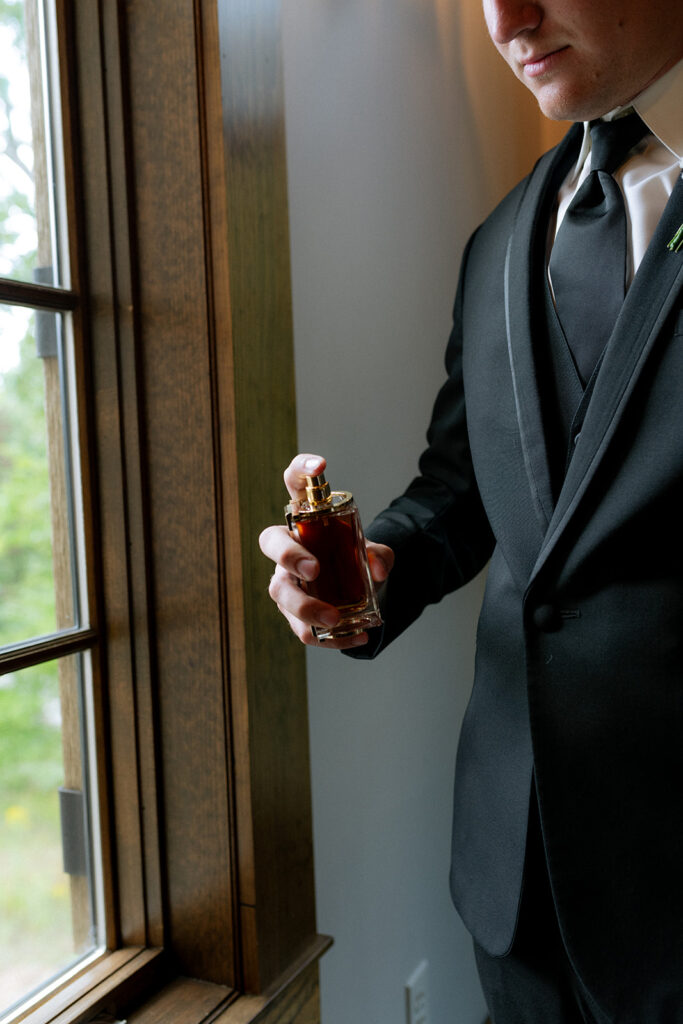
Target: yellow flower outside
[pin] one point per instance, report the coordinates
(16, 815)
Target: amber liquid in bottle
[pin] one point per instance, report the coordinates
(334, 542)
(328, 525)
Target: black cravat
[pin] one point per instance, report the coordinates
(588, 259)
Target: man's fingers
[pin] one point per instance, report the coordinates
(306, 636)
(300, 467)
(277, 543)
(292, 599)
(381, 560)
(302, 612)
(294, 566)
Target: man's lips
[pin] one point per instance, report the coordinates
(541, 64)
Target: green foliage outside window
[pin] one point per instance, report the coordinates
(35, 927)
(27, 596)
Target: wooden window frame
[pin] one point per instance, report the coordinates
(176, 187)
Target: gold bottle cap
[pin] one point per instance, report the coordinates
(318, 490)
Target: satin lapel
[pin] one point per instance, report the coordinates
(650, 299)
(523, 269)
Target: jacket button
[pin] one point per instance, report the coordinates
(546, 618)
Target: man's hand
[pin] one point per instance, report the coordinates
(294, 565)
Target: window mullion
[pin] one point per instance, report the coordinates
(40, 296)
(46, 648)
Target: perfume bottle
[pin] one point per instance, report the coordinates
(328, 525)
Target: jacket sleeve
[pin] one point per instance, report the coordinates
(437, 528)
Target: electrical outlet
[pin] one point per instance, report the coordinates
(417, 995)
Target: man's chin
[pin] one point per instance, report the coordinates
(557, 105)
(560, 101)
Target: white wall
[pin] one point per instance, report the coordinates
(391, 164)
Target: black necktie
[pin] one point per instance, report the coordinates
(588, 258)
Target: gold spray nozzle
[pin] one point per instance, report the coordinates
(317, 490)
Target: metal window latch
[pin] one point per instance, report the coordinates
(72, 814)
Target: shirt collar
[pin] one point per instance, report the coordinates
(660, 107)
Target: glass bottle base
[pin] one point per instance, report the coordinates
(349, 626)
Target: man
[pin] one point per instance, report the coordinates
(556, 452)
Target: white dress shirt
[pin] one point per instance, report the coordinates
(649, 174)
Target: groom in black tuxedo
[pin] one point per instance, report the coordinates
(555, 453)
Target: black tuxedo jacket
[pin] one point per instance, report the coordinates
(579, 665)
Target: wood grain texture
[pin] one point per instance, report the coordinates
(100, 276)
(188, 322)
(136, 558)
(173, 337)
(115, 979)
(298, 1003)
(269, 702)
(184, 1001)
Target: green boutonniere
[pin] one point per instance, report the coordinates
(676, 243)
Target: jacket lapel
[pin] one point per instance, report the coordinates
(523, 294)
(649, 301)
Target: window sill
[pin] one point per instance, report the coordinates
(292, 998)
(118, 978)
(124, 979)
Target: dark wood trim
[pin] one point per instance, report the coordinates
(184, 337)
(294, 998)
(104, 244)
(286, 989)
(183, 1001)
(173, 338)
(268, 687)
(299, 1002)
(119, 978)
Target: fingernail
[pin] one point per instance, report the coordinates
(330, 618)
(311, 464)
(306, 569)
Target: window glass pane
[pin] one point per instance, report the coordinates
(36, 510)
(46, 917)
(30, 169)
